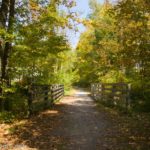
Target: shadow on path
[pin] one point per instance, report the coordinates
(73, 124)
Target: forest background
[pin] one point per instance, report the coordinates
(34, 48)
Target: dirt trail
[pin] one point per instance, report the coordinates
(86, 127)
(74, 124)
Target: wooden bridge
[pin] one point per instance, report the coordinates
(43, 96)
(112, 93)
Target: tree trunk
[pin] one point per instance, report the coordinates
(7, 12)
(4, 13)
(7, 49)
(3, 20)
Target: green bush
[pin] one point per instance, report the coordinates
(6, 117)
(140, 95)
(16, 102)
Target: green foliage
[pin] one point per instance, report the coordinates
(15, 102)
(40, 51)
(5, 36)
(115, 47)
(6, 117)
(113, 76)
(98, 46)
(40, 42)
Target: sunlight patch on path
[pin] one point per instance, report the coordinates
(79, 98)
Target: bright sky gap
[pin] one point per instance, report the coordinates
(82, 7)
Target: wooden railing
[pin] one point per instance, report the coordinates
(57, 91)
(112, 93)
(43, 96)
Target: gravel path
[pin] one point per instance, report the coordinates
(74, 124)
(86, 127)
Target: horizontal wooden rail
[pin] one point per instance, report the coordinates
(42, 96)
(115, 93)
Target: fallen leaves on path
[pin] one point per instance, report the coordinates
(63, 127)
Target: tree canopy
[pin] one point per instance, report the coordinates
(34, 47)
(115, 45)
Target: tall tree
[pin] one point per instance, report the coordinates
(7, 12)
(132, 24)
(98, 46)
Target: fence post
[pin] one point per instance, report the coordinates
(30, 96)
(102, 90)
(128, 96)
(92, 90)
(63, 90)
(51, 94)
(113, 90)
(46, 96)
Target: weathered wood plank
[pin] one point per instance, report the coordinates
(44, 94)
(113, 91)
